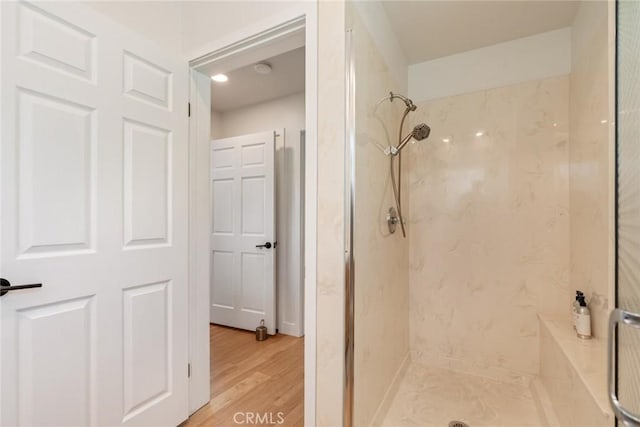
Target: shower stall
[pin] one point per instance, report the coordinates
(481, 195)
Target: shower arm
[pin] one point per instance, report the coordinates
(408, 102)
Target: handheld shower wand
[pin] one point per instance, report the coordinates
(418, 133)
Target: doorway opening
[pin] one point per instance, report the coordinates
(257, 170)
(259, 178)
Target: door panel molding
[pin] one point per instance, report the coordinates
(66, 112)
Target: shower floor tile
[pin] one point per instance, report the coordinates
(433, 397)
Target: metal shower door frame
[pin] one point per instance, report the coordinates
(349, 259)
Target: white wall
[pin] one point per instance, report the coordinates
(531, 58)
(165, 28)
(193, 28)
(283, 113)
(216, 125)
(287, 111)
(208, 25)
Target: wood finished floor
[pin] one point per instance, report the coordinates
(249, 376)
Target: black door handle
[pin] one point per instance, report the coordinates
(266, 245)
(5, 286)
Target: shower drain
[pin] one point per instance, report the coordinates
(458, 424)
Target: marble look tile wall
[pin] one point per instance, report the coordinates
(575, 383)
(591, 162)
(330, 211)
(489, 227)
(381, 259)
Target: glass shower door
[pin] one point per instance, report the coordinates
(625, 380)
(379, 270)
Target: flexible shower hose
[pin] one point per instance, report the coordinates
(396, 191)
(397, 186)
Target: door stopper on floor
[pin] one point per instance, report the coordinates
(261, 332)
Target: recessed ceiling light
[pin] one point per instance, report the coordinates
(220, 78)
(446, 139)
(479, 133)
(263, 68)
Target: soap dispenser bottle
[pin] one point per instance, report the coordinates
(583, 320)
(574, 308)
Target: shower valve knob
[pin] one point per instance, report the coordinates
(392, 219)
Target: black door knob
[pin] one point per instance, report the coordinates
(5, 286)
(266, 245)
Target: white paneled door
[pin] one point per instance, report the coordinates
(243, 232)
(93, 192)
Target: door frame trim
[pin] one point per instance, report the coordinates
(300, 17)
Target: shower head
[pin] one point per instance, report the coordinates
(421, 132)
(418, 133)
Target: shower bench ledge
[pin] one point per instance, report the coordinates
(586, 358)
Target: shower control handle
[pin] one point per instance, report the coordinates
(392, 219)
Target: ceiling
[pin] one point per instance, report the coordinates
(431, 29)
(246, 87)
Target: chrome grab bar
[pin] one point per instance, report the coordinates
(631, 319)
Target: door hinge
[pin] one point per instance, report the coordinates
(188, 109)
(188, 370)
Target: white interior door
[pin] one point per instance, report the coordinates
(93, 192)
(243, 238)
